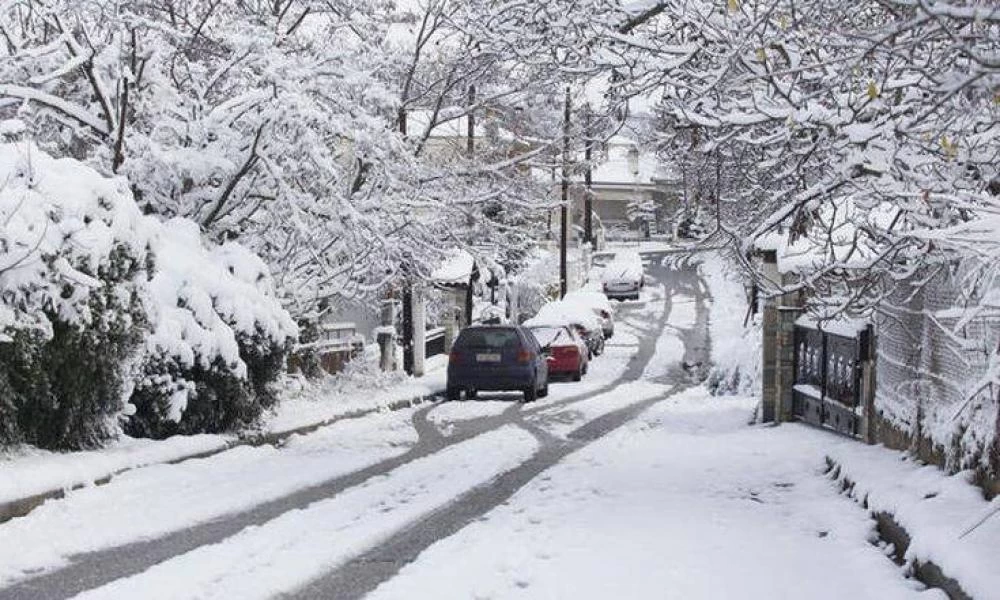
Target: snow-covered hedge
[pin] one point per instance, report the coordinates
(736, 350)
(103, 307)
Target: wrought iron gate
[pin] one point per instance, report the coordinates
(828, 374)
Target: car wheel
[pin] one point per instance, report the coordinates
(471, 393)
(530, 393)
(578, 375)
(586, 367)
(544, 391)
(452, 393)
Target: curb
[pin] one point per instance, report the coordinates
(891, 532)
(21, 507)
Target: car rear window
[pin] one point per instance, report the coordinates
(488, 338)
(547, 335)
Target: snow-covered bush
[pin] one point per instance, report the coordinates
(219, 337)
(72, 264)
(107, 312)
(736, 346)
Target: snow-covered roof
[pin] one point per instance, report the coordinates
(456, 268)
(626, 164)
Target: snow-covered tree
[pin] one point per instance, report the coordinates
(105, 310)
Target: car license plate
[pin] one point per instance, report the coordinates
(492, 358)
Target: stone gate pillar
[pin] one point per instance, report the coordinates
(769, 362)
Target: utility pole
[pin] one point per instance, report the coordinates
(407, 290)
(470, 143)
(564, 225)
(588, 199)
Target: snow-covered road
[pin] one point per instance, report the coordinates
(630, 483)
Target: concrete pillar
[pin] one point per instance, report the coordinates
(419, 332)
(386, 336)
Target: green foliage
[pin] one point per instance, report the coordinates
(62, 391)
(218, 400)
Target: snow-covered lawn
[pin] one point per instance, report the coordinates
(300, 545)
(686, 502)
(159, 499)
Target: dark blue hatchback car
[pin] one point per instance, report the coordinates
(497, 358)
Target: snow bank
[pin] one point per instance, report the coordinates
(27, 471)
(30, 471)
(948, 520)
(161, 499)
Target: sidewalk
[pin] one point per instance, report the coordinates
(32, 476)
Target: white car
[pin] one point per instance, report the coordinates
(599, 304)
(623, 278)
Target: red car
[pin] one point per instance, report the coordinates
(566, 351)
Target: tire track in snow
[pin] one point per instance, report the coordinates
(363, 574)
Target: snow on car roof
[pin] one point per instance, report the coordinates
(593, 299)
(560, 313)
(617, 270)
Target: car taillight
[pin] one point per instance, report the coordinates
(454, 357)
(524, 356)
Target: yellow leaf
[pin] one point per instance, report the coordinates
(734, 5)
(761, 55)
(872, 90)
(783, 22)
(950, 147)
